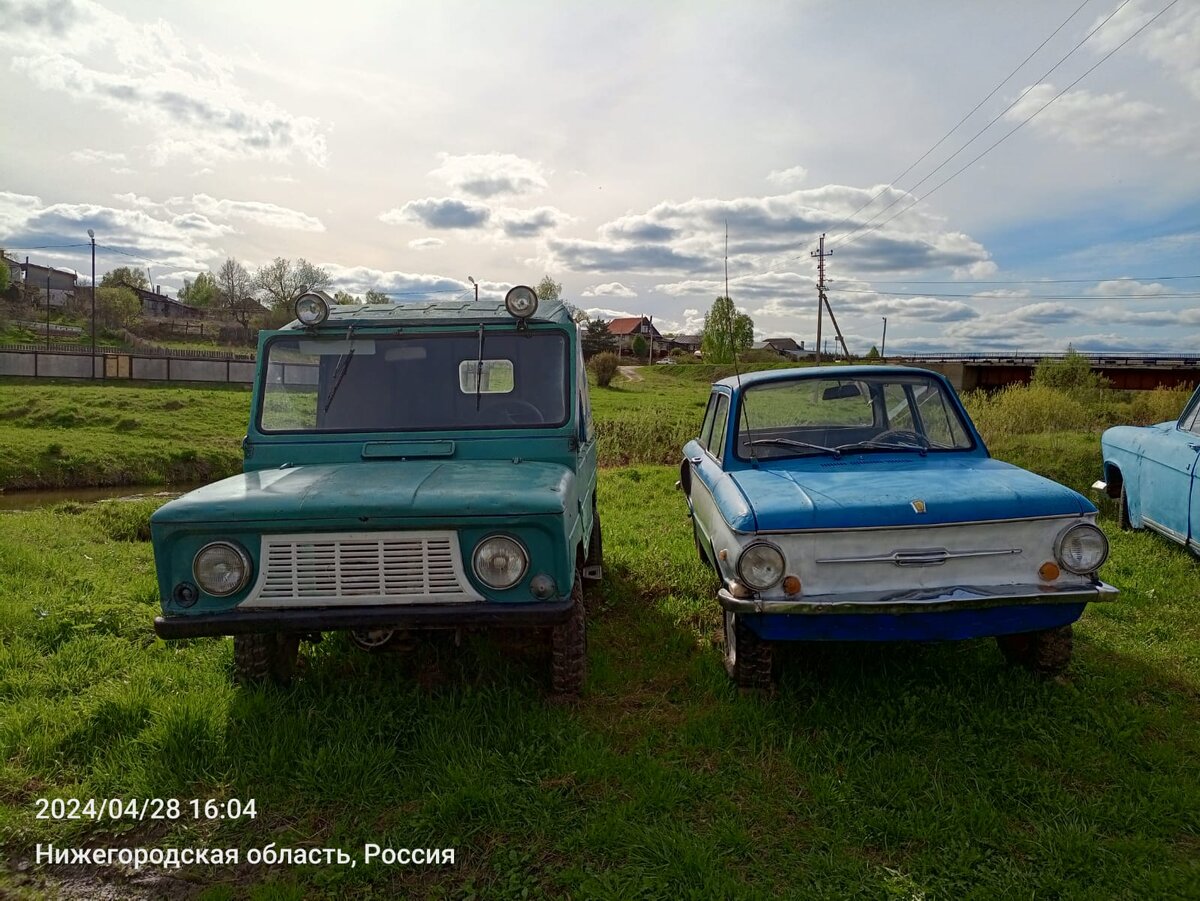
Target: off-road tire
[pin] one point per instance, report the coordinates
(748, 658)
(1123, 511)
(265, 658)
(1046, 652)
(568, 649)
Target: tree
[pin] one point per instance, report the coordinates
(872, 354)
(604, 367)
(200, 293)
(233, 290)
(548, 289)
(373, 296)
(639, 346)
(282, 281)
(118, 306)
(726, 332)
(125, 275)
(344, 298)
(596, 338)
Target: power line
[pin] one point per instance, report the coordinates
(960, 122)
(1042, 281)
(863, 230)
(1184, 295)
(44, 247)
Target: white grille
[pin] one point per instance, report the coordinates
(353, 568)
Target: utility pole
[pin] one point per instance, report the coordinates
(820, 254)
(476, 284)
(47, 308)
(883, 343)
(92, 237)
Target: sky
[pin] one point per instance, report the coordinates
(632, 150)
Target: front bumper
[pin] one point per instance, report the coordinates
(934, 600)
(323, 619)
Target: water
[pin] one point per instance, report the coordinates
(36, 499)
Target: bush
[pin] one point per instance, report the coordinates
(1073, 373)
(604, 367)
(1160, 405)
(1027, 409)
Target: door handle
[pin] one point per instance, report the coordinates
(695, 461)
(1195, 447)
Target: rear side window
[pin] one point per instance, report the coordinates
(716, 446)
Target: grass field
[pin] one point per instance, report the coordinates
(895, 771)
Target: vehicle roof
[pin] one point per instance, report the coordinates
(433, 312)
(817, 372)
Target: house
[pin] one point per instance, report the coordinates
(625, 330)
(159, 305)
(785, 347)
(61, 284)
(687, 343)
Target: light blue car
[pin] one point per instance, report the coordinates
(1152, 472)
(859, 503)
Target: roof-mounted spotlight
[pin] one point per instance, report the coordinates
(521, 301)
(312, 308)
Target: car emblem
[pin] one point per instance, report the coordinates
(918, 506)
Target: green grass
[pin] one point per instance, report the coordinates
(878, 771)
(55, 435)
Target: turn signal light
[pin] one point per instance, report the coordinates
(1049, 571)
(791, 585)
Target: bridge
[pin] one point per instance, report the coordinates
(1130, 371)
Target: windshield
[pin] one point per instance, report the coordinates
(415, 382)
(890, 412)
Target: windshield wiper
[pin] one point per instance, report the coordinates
(788, 442)
(339, 371)
(922, 449)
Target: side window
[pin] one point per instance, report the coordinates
(1190, 420)
(899, 412)
(941, 427)
(716, 446)
(585, 399)
(707, 426)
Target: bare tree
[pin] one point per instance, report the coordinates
(282, 281)
(234, 286)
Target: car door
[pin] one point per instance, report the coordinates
(1168, 476)
(706, 466)
(1189, 425)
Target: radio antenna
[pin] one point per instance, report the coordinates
(733, 346)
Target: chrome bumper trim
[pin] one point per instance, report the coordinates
(923, 601)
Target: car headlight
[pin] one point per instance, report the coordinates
(500, 561)
(761, 566)
(521, 301)
(311, 309)
(221, 568)
(1081, 548)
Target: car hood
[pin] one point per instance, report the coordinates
(416, 488)
(869, 491)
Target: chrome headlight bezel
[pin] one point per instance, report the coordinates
(744, 559)
(521, 301)
(243, 558)
(311, 309)
(1065, 535)
(521, 552)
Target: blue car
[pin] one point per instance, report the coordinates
(859, 503)
(1152, 472)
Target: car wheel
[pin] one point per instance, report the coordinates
(264, 658)
(568, 649)
(748, 658)
(1123, 511)
(1046, 652)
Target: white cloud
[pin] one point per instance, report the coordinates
(487, 175)
(183, 95)
(1099, 121)
(425, 243)
(1173, 41)
(268, 214)
(1121, 288)
(788, 178)
(91, 155)
(609, 289)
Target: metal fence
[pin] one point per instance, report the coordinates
(178, 352)
(38, 362)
